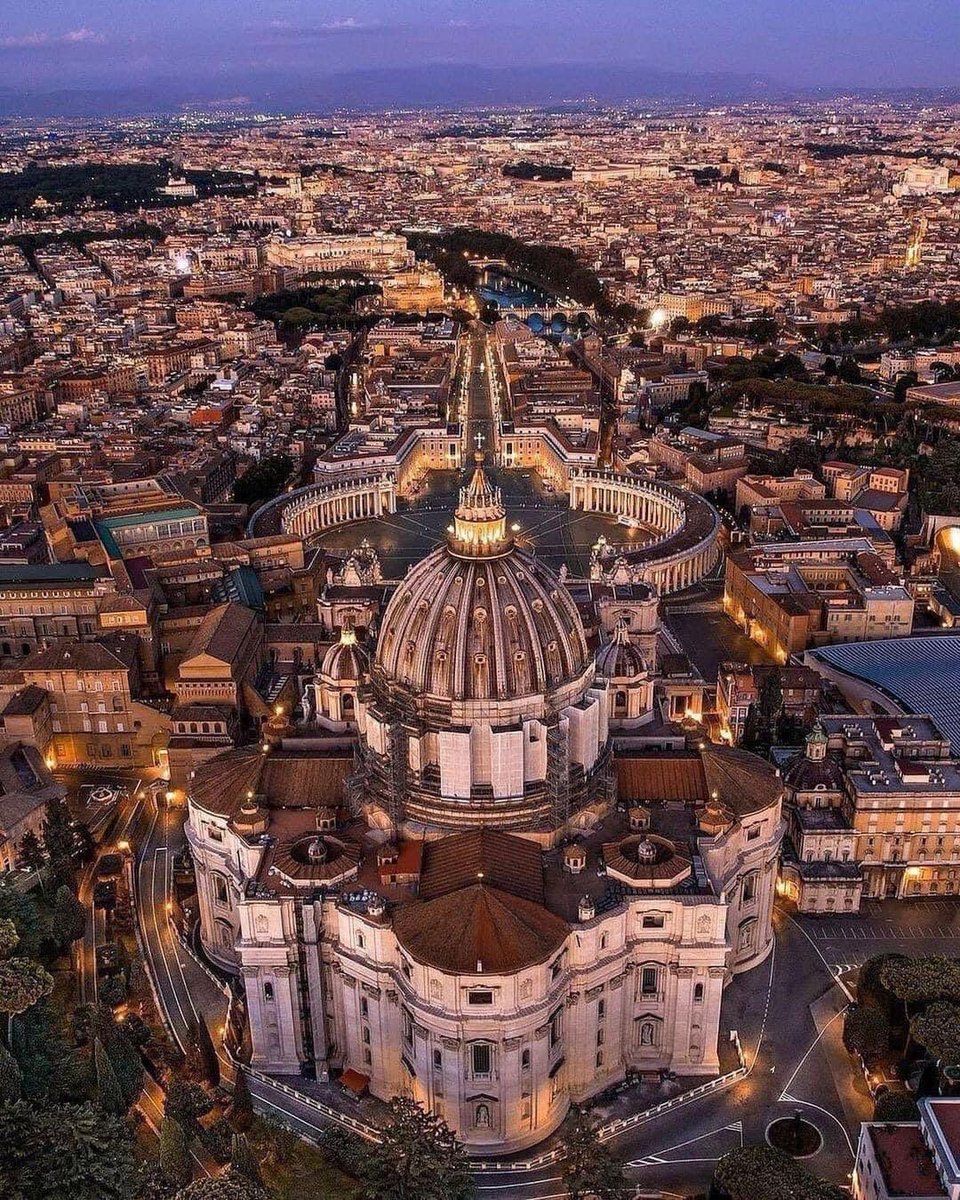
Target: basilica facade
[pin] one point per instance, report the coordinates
(519, 886)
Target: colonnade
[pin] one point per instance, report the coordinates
(687, 548)
(329, 504)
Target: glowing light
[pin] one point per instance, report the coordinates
(278, 710)
(123, 846)
(658, 318)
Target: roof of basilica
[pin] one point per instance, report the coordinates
(294, 778)
(479, 930)
(736, 779)
(480, 618)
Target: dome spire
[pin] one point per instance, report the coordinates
(480, 520)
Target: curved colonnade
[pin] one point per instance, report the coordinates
(688, 546)
(689, 527)
(324, 505)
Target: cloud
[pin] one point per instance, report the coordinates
(40, 41)
(83, 35)
(287, 31)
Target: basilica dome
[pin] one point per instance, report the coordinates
(480, 618)
(620, 659)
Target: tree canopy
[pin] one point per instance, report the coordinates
(763, 1173)
(590, 1168)
(70, 1150)
(418, 1157)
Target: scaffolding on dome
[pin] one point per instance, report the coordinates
(558, 773)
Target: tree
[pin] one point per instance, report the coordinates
(895, 1106)
(202, 1062)
(418, 1156)
(22, 983)
(917, 981)
(279, 1140)
(20, 908)
(763, 1173)
(750, 738)
(109, 1094)
(126, 1062)
(68, 919)
(174, 1152)
(241, 1110)
(866, 1031)
(243, 1161)
(10, 1078)
(32, 855)
(68, 1150)
(9, 937)
(186, 1102)
(224, 1187)
(590, 1169)
(51, 1071)
(848, 371)
(263, 480)
(113, 990)
(60, 839)
(938, 1031)
(872, 992)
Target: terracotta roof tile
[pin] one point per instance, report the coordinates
(479, 930)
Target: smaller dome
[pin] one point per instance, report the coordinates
(619, 659)
(646, 861)
(345, 661)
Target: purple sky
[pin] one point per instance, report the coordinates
(48, 44)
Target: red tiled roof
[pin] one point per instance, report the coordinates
(479, 930)
(512, 864)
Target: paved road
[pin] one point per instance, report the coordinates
(905, 926)
(186, 993)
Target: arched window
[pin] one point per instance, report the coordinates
(346, 704)
(751, 882)
(698, 993)
(224, 934)
(747, 934)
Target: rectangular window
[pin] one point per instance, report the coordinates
(649, 981)
(484, 997)
(653, 920)
(481, 1058)
(556, 1029)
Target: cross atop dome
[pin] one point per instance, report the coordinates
(480, 519)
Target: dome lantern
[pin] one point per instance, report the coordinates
(480, 519)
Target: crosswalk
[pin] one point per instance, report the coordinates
(704, 1148)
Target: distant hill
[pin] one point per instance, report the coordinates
(437, 85)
